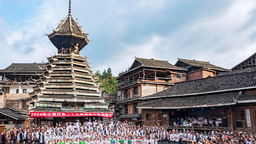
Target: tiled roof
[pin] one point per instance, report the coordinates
(68, 33)
(17, 110)
(24, 67)
(157, 63)
(12, 114)
(202, 64)
(238, 71)
(69, 25)
(247, 97)
(209, 100)
(206, 85)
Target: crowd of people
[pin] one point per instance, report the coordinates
(199, 121)
(95, 132)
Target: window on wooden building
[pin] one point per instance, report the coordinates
(135, 91)
(159, 116)
(125, 93)
(24, 90)
(135, 109)
(125, 109)
(17, 91)
(240, 115)
(148, 116)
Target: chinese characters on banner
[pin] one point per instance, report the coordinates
(248, 117)
(65, 114)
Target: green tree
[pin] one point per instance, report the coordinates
(107, 81)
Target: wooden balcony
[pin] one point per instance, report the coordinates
(127, 84)
(129, 98)
(206, 128)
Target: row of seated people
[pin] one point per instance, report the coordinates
(199, 121)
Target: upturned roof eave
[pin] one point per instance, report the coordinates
(56, 33)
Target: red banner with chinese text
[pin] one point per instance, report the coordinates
(66, 114)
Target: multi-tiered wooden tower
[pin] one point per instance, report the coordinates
(67, 87)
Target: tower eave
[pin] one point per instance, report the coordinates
(61, 40)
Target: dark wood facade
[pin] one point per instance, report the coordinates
(145, 77)
(231, 96)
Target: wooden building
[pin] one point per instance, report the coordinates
(145, 77)
(230, 95)
(250, 62)
(11, 117)
(199, 69)
(17, 82)
(67, 91)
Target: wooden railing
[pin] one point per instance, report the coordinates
(198, 127)
(130, 97)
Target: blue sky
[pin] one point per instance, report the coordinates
(222, 32)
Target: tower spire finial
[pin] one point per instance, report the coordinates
(69, 10)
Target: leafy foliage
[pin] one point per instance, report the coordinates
(107, 81)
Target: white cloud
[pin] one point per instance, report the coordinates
(122, 61)
(219, 41)
(234, 17)
(150, 4)
(28, 43)
(234, 44)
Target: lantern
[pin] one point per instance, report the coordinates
(222, 111)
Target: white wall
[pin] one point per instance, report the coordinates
(20, 87)
(160, 89)
(148, 89)
(2, 101)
